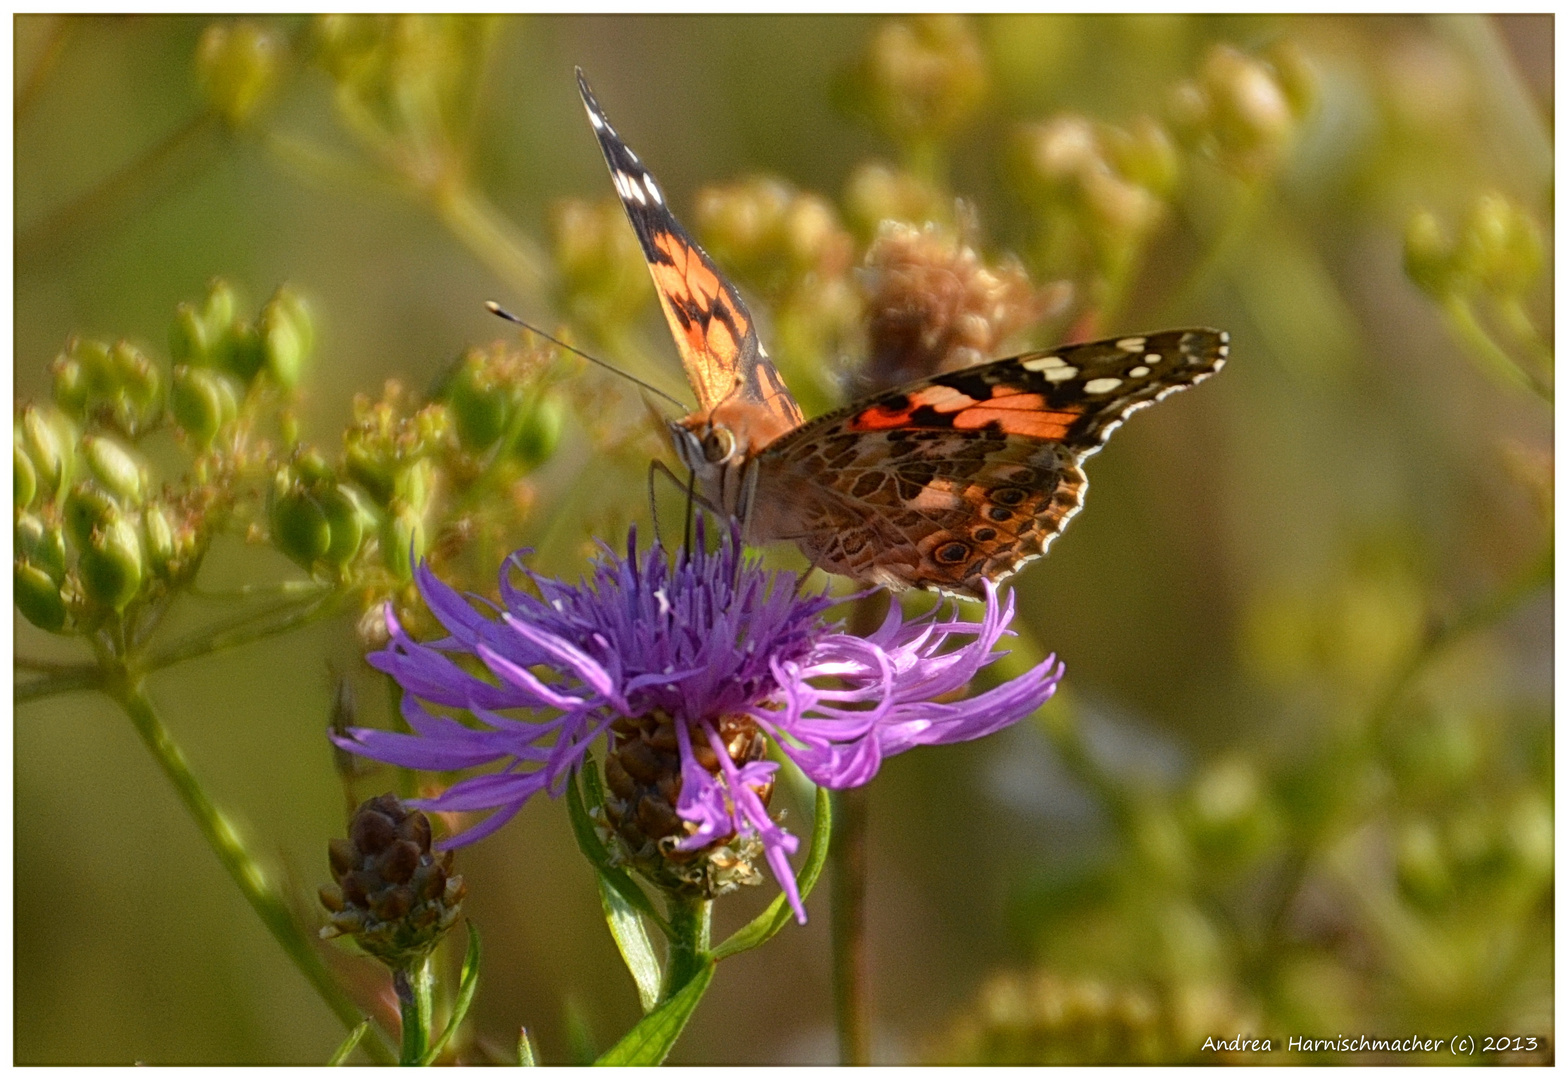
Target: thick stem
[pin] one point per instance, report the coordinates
(236, 858)
(76, 677)
(691, 923)
(414, 1000)
(851, 963)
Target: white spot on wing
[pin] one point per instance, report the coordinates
(653, 191)
(1061, 374)
(1131, 344)
(1138, 372)
(1101, 386)
(632, 189)
(1040, 363)
(595, 120)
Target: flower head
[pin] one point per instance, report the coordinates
(711, 651)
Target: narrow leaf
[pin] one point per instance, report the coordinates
(467, 984)
(630, 937)
(525, 1049)
(341, 1054)
(778, 913)
(591, 846)
(650, 1042)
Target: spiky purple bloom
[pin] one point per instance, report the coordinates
(714, 635)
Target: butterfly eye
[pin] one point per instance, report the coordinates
(717, 445)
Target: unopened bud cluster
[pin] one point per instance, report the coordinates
(920, 77)
(1244, 111)
(390, 892)
(1096, 186)
(96, 533)
(101, 535)
(1498, 250)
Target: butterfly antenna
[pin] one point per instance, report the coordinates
(497, 310)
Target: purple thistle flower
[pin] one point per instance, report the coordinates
(713, 638)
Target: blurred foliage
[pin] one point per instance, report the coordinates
(1302, 781)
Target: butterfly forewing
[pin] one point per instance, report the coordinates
(712, 328)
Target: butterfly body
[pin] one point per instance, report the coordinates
(943, 484)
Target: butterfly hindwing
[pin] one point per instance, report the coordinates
(968, 475)
(713, 330)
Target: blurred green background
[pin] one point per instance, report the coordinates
(1300, 779)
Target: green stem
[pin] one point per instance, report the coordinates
(1244, 212)
(852, 1013)
(131, 182)
(78, 677)
(691, 925)
(225, 842)
(414, 998)
(510, 254)
(1522, 327)
(1462, 321)
(243, 631)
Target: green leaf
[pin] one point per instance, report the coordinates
(630, 937)
(341, 1053)
(772, 920)
(650, 1042)
(591, 846)
(525, 1049)
(467, 984)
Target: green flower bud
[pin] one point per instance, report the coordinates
(286, 337)
(24, 479)
(403, 544)
(217, 311)
(136, 377)
(480, 408)
(113, 467)
(313, 469)
(38, 598)
(203, 402)
(300, 528)
(1146, 156)
(42, 545)
(159, 536)
(70, 385)
(1297, 76)
(97, 364)
(88, 507)
(190, 341)
(541, 432)
(347, 520)
(237, 65)
(1499, 246)
(49, 437)
(1429, 261)
(243, 352)
(112, 565)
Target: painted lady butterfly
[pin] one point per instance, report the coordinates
(940, 484)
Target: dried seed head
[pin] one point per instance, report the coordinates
(390, 892)
(933, 305)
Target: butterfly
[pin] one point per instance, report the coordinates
(942, 484)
